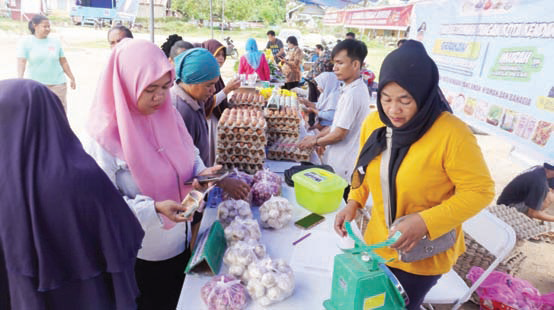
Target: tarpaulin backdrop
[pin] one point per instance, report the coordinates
(393, 17)
(496, 61)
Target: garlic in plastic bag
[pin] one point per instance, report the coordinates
(241, 230)
(241, 254)
(224, 293)
(229, 209)
(270, 281)
(276, 212)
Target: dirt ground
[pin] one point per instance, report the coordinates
(87, 52)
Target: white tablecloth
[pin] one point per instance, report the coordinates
(311, 259)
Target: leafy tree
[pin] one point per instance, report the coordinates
(268, 11)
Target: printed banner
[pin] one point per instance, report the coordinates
(496, 61)
(395, 17)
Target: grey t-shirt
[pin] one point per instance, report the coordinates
(275, 46)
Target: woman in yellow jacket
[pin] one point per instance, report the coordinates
(436, 177)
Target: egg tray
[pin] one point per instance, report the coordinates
(274, 136)
(254, 139)
(524, 226)
(248, 168)
(286, 149)
(247, 99)
(479, 256)
(248, 130)
(240, 159)
(246, 151)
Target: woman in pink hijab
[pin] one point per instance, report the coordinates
(142, 144)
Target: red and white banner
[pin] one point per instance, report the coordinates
(393, 18)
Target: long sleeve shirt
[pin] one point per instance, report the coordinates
(262, 71)
(443, 177)
(158, 243)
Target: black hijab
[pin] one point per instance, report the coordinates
(410, 67)
(61, 218)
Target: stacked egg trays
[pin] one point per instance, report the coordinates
(241, 139)
(524, 226)
(247, 99)
(282, 123)
(479, 256)
(287, 149)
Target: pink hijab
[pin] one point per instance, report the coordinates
(157, 148)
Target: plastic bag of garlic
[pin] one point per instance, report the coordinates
(241, 254)
(276, 212)
(228, 210)
(269, 281)
(242, 230)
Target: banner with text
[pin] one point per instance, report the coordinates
(392, 17)
(496, 62)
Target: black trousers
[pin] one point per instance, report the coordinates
(290, 85)
(416, 286)
(160, 282)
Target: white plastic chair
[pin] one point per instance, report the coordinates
(492, 233)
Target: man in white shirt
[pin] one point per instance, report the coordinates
(342, 137)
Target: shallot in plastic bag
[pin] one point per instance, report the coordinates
(224, 293)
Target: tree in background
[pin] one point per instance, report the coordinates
(269, 11)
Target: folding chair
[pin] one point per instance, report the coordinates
(492, 233)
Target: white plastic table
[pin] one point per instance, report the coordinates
(311, 259)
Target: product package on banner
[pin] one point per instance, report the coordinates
(495, 61)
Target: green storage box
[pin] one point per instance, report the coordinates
(318, 190)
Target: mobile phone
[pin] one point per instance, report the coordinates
(202, 179)
(309, 221)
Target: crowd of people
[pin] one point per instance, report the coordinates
(101, 226)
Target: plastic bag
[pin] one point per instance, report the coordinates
(242, 230)
(269, 281)
(228, 210)
(500, 287)
(240, 255)
(224, 293)
(266, 174)
(276, 212)
(263, 190)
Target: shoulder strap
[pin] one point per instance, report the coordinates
(384, 175)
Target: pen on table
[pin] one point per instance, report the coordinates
(302, 238)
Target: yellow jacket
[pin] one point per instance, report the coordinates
(444, 177)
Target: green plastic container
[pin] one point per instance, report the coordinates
(318, 190)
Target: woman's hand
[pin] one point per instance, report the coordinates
(232, 85)
(347, 214)
(172, 210)
(72, 84)
(236, 188)
(413, 229)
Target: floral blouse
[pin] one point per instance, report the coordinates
(291, 68)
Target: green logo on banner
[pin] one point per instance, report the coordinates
(517, 64)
